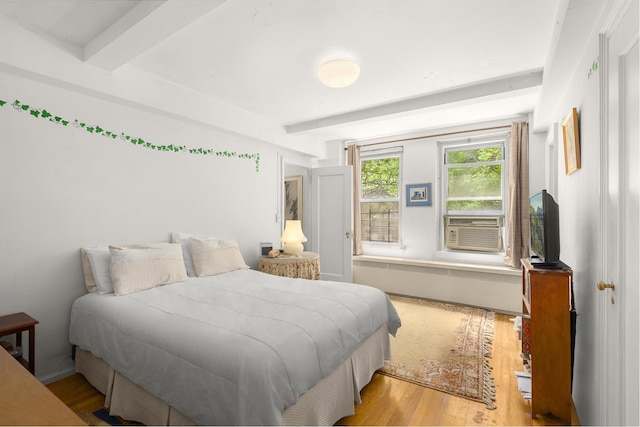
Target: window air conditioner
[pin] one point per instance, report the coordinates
(474, 233)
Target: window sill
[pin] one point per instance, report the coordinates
(438, 263)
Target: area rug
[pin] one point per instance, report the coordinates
(101, 417)
(90, 419)
(446, 347)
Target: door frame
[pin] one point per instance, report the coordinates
(304, 170)
(614, 361)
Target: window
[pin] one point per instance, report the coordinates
(474, 193)
(474, 177)
(380, 197)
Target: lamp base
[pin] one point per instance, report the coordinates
(293, 248)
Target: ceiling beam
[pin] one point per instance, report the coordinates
(143, 27)
(500, 86)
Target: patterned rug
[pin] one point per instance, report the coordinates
(101, 417)
(90, 419)
(445, 347)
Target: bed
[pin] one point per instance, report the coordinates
(233, 346)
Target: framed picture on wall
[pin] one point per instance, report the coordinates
(293, 197)
(571, 136)
(419, 194)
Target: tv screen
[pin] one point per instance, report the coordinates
(545, 229)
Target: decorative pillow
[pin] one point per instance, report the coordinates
(87, 272)
(100, 260)
(183, 239)
(212, 257)
(138, 267)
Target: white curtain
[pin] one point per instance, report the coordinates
(517, 246)
(353, 159)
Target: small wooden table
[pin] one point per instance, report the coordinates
(306, 266)
(26, 401)
(16, 324)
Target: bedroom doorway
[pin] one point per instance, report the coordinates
(296, 196)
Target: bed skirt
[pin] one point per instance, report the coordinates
(324, 404)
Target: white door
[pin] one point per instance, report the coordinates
(331, 221)
(618, 305)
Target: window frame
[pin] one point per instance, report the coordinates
(376, 154)
(479, 141)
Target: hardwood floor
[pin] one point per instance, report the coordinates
(77, 394)
(387, 401)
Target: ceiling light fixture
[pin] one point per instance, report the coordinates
(338, 73)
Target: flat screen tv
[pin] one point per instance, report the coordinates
(545, 230)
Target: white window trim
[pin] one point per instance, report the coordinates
(480, 140)
(369, 247)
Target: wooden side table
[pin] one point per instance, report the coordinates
(307, 266)
(16, 324)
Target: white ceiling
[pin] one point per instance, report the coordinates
(424, 63)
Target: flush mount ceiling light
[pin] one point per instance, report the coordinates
(338, 73)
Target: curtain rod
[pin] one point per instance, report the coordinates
(434, 135)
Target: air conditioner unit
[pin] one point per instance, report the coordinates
(474, 233)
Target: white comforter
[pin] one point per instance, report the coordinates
(237, 348)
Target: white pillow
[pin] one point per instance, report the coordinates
(100, 260)
(139, 267)
(212, 257)
(183, 239)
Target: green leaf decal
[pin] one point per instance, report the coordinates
(136, 141)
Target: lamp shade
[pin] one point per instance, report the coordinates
(293, 237)
(293, 232)
(338, 73)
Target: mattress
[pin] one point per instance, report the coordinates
(236, 348)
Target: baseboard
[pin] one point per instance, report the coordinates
(51, 378)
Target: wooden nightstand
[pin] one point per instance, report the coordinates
(16, 324)
(306, 266)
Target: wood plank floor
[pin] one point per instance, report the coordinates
(387, 401)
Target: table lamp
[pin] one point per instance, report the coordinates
(293, 238)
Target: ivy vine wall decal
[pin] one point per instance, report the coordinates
(97, 130)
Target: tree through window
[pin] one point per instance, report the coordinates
(474, 179)
(380, 198)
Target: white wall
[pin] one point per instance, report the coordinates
(578, 196)
(426, 271)
(421, 225)
(63, 188)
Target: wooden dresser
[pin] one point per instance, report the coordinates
(547, 303)
(26, 401)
